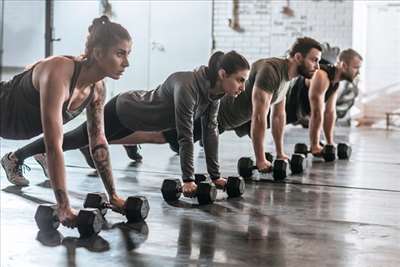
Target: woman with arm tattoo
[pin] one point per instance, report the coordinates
(52, 92)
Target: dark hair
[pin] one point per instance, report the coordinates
(103, 33)
(231, 62)
(303, 45)
(348, 54)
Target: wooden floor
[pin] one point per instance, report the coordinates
(343, 213)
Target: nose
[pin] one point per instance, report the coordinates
(125, 63)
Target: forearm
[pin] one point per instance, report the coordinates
(186, 158)
(315, 127)
(101, 159)
(257, 137)
(210, 141)
(55, 162)
(278, 126)
(329, 125)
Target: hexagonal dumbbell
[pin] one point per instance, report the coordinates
(297, 163)
(328, 151)
(344, 151)
(89, 221)
(171, 190)
(136, 208)
(246, 166)
(234, 187)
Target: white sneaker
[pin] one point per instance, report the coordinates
(14, 170)
(42, 160)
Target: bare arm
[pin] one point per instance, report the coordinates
(261, 101)
(97, 139)
(318, 86)
(278, 127)
(53, 84)
(330, 118)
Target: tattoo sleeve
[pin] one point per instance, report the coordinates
(97, 139)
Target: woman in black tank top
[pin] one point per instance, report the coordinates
(55, 90)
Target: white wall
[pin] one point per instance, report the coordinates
(23, 32)
(377, 36)
(268, 32)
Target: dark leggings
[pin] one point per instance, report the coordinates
(78, 137)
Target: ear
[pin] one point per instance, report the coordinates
(298, 57)
(222, 74)
(97, 53)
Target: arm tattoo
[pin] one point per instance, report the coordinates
(61, 198)
(101, 160)
(101, 157)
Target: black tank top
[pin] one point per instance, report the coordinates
(20, 116)
(297, 101)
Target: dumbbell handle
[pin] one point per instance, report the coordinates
(112, 207)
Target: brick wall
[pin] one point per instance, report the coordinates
(268, 32)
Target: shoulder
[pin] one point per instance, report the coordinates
(56, 67)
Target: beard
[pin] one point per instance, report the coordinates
(347, 77)
(303, 71)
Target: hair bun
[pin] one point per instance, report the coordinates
(98, 22)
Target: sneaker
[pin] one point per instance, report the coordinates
(133, 152)
(42, 160)
(14, 170)
(88, 157)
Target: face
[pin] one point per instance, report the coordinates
(233, 84)
(352, 69)
(114, 60)
(309, 64)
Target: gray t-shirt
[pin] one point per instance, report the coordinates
(182, 98)
(269, 74)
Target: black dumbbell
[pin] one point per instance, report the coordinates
(234, 187)
(136, 208)
(344, 151)
(328, 151)
(246, 166)
(171, 190)
(297, 162)
(89, 221)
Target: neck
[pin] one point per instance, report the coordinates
(217, 90)
(90, 74)
(338, 74)
(292, 69)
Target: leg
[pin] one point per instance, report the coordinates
(13, 162)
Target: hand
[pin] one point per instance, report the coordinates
(220, 182)
(264, 166)
(189, 189)
(118, 203)
(67, 217)
(282, 156)
(317, 150)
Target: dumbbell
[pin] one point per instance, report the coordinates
(328, 151)
(234, 185)
(246, 166)
(171, 190)
(89, 221)
(344, 151)
(136, 208)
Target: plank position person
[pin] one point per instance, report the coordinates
(52, 92)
